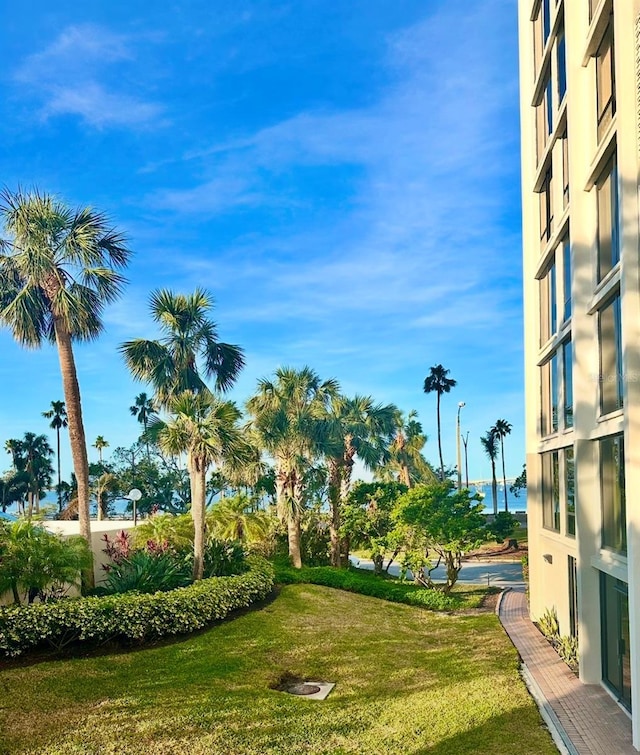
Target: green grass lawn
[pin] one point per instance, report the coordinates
(407, 681)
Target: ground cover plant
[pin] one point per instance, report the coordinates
(407, 681)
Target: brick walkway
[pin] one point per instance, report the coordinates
(587, 720)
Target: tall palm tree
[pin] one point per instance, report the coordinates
(438, 382)
(189, 337)
(58, 416)
(359, 427)
(501, 429)
(100, 444)
(144, 411)
(58, 269)
(204, 428)
(405, 462)
(288, 416)
(32, 457)
(490, 445)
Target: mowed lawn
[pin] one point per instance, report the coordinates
(407, 681)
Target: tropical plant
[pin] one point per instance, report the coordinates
(237, 518)
(405, 462)
(355, 427)
(438, 382)
(58, 269)
(146, 571)
(171, 364)
(490, 446)
(14, 488)
(58, 416)
(106, 485)
(100, 444)
(204, 428)
(443, 523)
(222, 558)
(34, 560)
(288, 417)
(501, 429)
(175, 532)
(143, 410)
(520, 483)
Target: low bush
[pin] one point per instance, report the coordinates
(366, 583)
(222, 558)
(565, 646)
(146, 572)
(132, 617)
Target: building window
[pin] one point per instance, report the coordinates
(548, 305)
(567, 384)
(565, 169)
(561, 57)
(610, 342)
(551, 491)
(546, 208)
(608, 220)
(573, 596)
(546, 20)
(570, 490)
(549, 390)
(566, 282)
(605, 81)
(612, 494)
(616, 637)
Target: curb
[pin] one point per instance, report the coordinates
(558, 733)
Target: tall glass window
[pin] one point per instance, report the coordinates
(551, 491)
(546, 208)
(567, 384)
(608, 220)
(605, 81)
(612, 494)
(566, 284)
(565, 169)
(546, 20)
(548, 304)
(610, 341)
(554, 392)
(570, 490)
(561, 55)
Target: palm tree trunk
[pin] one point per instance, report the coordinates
(405, 477)
(504, 475)
(494, 487)
(293, 532)
(440, 439)
(76, 435)
(334, 504)
(198, 486)
(59, 475)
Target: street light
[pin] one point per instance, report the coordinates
(459, 459)
(134, 496)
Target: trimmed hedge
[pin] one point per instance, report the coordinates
(366, 583)
(132, 616)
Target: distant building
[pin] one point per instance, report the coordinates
(580, 99)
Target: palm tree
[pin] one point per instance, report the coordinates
(359, 427)
(144, 411)
(236, 518)
(204, 428)
(31, 458)
(438, 381)
(58, 270)
(501, 429)
(100, 444)
(170, 364)
(288, 416)
(490, 446)
(58, 416)
(405, 462)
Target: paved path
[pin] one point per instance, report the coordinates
(498, 573)
(585, 718)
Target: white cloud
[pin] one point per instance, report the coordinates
(67, 78)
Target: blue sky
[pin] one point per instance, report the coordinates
(343, 177)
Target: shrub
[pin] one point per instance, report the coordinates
(548, 624)
(147, 572)
(132, 617)
(502, 526)
(366, 583)
(223, 558)
(567, 648)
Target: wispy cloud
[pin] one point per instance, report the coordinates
(70, 77)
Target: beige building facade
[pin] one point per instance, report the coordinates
(580, 102)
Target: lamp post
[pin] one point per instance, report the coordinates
(465, 440)
(459, 459)
(134, 496)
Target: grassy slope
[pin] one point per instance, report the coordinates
(408, 681)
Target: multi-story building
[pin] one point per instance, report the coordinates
(580, 103)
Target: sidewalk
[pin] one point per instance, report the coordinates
(583, 718)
